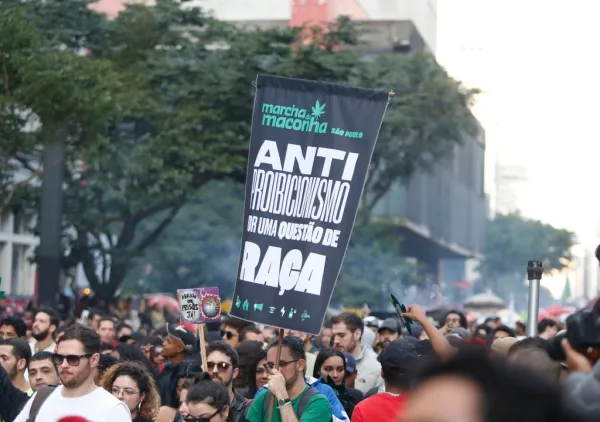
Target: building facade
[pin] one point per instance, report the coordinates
(17, 247)
(511, 188)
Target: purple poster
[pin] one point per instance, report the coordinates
(199, 305)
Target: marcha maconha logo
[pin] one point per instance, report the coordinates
(294, 118)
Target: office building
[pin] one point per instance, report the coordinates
(511, 188)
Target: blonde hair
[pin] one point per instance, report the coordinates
(144, 380)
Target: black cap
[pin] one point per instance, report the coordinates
(399, 355)
(392, 324)
(183, 334)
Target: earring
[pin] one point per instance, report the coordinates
(139, 406)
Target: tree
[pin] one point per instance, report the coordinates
(512, 240)
(199, 248)
(426, 118)
(159, 108)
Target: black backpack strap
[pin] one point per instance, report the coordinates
(266, 402)
(306, 396)
(40, 397)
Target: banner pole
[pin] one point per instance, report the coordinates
(202, 346)
(534, 275)
(279, 347)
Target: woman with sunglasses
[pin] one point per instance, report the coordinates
(134, 385)
(207, 401)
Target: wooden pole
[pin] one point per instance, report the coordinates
(279, 346)
(202, 346)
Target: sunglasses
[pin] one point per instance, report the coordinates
(193, 419)
(221, 366)
(72, 360)
(228, 334)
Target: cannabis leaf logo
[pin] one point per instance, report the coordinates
(318, 110)
(1, 291)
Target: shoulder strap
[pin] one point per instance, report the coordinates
(39, 399)
(306, 396)
(266, 402)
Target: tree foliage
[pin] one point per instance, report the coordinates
(427, 117)
(512, 240)
(155, 107)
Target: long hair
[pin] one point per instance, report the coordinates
(144, 380)
(323, 356)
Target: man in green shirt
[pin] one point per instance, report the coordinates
(287, 384)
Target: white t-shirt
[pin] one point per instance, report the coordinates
(97, 406)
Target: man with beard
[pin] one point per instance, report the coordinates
(14, 358)
(106, 330)
(222, 364)
(45, 324)
(295, 400)
(177, 346)
(347, 333)
(389, 331)
(77, 355)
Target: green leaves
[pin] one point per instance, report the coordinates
(426, 119)
(512, 240)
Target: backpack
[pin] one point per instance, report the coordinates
(306, 396)
(39, 399)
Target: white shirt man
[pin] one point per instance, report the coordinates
(77, 355)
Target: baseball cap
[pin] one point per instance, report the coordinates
(186, 336)
(350, 362)
(399, 355)
(463, 333)
(392, 324)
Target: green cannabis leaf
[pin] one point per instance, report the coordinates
(318, 110)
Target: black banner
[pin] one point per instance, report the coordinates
(310, 150)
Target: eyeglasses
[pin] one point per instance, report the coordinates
(193, 419)
(228, 334)
(127, 392)
(221, 366)
(270, 365)
(72, 360)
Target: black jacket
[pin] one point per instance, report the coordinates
(238, 408)
(12, 400)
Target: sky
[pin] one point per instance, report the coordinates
(538, 66)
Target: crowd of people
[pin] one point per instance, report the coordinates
(123, 364)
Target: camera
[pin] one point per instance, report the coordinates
(583, 331)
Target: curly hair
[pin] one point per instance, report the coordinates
(144, 380)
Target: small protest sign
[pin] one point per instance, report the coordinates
(310, 151)
(199, 305)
